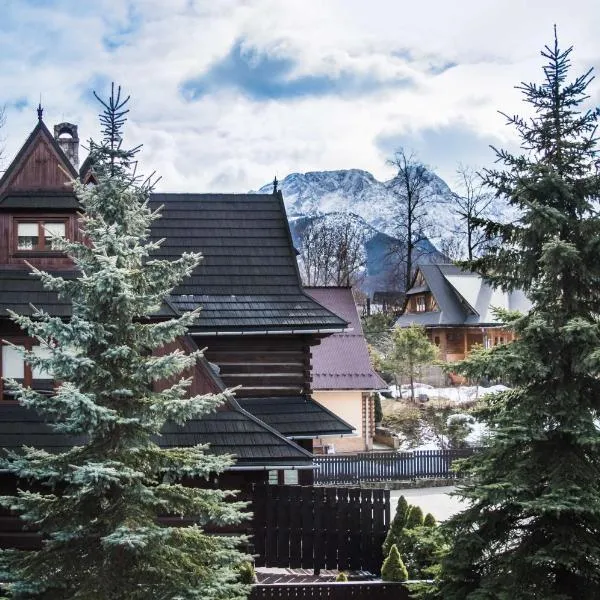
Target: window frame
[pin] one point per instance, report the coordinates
(44, 248)
(420, 303)
(28, 343)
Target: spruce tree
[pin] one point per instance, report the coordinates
(393, 568)
(532, 530)
(415, 517)
(429, 520)
(394, 534)
(96, 504)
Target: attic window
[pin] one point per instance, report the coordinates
(420, 304)
(38, 235)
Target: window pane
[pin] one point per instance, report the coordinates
(37, 372)
(290, 477)
(13, 364)
(27, 234)
(53, 230)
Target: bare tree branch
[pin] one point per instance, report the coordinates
(473, 203)
(414, 198)
(332, 251)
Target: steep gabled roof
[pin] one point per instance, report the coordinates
(341, 361)
(23, 173)
(247, 282)
(463, 298)
(249, 279)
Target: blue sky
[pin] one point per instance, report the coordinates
(228, 93)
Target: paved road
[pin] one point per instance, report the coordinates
(436, 500)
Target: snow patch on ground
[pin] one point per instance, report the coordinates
(460, 394)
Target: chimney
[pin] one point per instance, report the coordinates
(66, 136)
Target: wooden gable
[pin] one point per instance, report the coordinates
(419, 279)
(40, 165)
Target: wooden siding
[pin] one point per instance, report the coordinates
(40, 169)
(14, 535)
(263, 366)
(457, 342)
(202, 383)
(430, 303)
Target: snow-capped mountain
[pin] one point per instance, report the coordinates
(314, 195)
(356, 191)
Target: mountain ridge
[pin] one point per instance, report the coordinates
(317, 194)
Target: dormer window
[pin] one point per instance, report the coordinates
(38, 235)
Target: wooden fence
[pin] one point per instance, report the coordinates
(319, 527)
(386, 466)
(359, 590)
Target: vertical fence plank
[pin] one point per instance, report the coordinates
(308, 525)
(330, 525)
(380, 526)
(343, 525)
(366, 529)
(295, 500)
(319, 537)
(354, 515)
(259, 524)
(271, 526)
(283, 526)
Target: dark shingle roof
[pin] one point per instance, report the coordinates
(296, 416)
(20, 289)
(341, 361)
(248, 279)
(230, 430)
(463, 298)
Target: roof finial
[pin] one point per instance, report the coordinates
(40, 110)
(275, 184)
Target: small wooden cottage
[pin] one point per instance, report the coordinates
(456, 308)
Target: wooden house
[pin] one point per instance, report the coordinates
(456, 308)
(258, 324)
(343, 378)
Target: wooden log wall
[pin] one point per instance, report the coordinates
(263, 366)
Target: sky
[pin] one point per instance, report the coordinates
(225, 94)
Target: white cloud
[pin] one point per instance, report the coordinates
(463, 60)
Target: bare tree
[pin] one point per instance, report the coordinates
(473, 203)
(453, 246)
(332, 251)
(415, 196)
